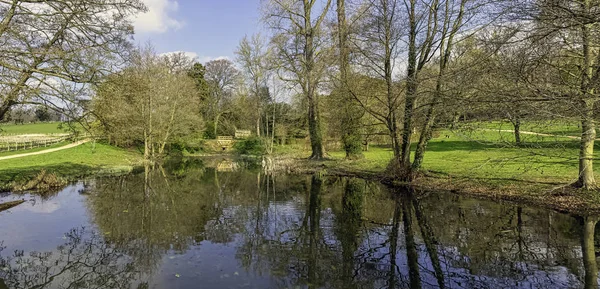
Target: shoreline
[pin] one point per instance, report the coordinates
(554, 196)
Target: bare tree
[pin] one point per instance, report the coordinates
(377, 47)
(253, 55)
(451, 25)
(50, 49)
(221, 76)
(567, 70)
(301, 53)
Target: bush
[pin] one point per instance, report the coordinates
(209, 131)
(251, 146)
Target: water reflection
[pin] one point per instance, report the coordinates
(187, 224)
(83, 261)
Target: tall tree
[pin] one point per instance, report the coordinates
(253, 56)
(453, 21)
(377, 46)
(197, 72)
(570, 75)
(50, 49)
(221, 76)
(301, 53)
(147, 103)
(350, 121)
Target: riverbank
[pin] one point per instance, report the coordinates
(551, 195)
(483, 164)
(479, 163)
(60, 167)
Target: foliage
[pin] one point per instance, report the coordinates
(192, 143)
(251, 146)
(147, 103)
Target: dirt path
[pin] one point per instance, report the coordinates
(45, 151)
(535, 133)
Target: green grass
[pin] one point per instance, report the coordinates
(555, 127)
(478, 154)
(31, 128)
(75, 162)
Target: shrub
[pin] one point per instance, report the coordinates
(251, 146)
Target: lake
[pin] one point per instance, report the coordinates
(201, 224)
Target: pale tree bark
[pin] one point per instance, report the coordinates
(586, 178)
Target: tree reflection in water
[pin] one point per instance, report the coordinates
(308, 232)
(83, 261)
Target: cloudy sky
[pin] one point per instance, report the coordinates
(208, 29)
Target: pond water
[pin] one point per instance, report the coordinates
(193, 226)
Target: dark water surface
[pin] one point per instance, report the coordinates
(190, 226)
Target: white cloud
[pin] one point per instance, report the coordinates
(205, 59)
(159, 17)
(188, 54)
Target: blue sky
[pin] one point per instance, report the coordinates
(208, 29)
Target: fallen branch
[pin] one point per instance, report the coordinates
(8, 205)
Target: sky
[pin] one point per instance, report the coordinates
(206, 29)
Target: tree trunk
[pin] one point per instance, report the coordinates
(314, 121)
(412, 255)
(586, 150)
(216, 123)
(404, 165)
(314, 128)
(350, 120)
(424, 138)
(588, 128)
(517, 126)
(589, 253)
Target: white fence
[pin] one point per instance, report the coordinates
(23, 142)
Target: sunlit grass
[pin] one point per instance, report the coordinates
(31, 128)
(79, 161)
(484, 154)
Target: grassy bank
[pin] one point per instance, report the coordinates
(481, 163)
(84, 160)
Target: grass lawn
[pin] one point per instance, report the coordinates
(555, 127)
(489, 155)
(70, 163)
(31, 128)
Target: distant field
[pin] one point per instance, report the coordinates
(555, 127)
(31, 128)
